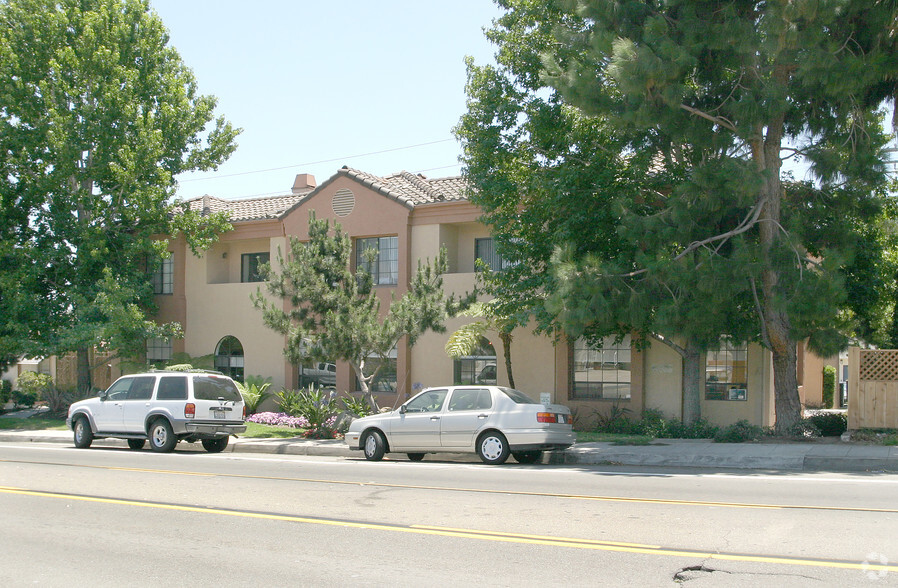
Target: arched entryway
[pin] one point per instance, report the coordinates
(229, 357)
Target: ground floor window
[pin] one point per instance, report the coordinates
(477, 368)
(319, 374)
(158, 351)
(726, 372)
(601, 370)
(229, 358)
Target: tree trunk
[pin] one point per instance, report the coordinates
(506, 351)
(692, 377)
(776, 325)
(85, 381)
(366, 390)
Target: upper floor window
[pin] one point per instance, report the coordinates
(485, 251)
(726, 372)
(601, 371)
(163, 277)
(249, 266)
(379, 256)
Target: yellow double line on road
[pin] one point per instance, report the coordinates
(469, 533)
(598, 498)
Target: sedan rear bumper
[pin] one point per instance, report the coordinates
(539, 439)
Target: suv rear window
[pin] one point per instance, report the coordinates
(213, 388)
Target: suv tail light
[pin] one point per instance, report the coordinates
(244, 412)
(189, 410)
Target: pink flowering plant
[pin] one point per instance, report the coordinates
(279, 419)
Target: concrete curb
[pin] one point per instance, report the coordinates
(666, 453)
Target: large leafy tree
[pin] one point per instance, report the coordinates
(333, 313)
(97, 115)
(547, 176)
(730, 90)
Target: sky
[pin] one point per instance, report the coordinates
(314, 85)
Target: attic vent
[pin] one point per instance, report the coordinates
(343, 202)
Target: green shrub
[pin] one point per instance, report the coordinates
(357, 406)
(830, 424)
(804, 428)
(23, 399)
(654, 424)
(288, 400)
(739, 432)
(616, 420)
(829, 386)
(317, 406)
(254, 391)
(700, 429)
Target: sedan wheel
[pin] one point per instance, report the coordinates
(492, 447)
(416, 456)
(162, 437)
(527, 456)
(375, 446)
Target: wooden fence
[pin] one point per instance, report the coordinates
(67, 371)
(872, 388)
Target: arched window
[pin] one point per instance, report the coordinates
(229, 358)
(477, 368)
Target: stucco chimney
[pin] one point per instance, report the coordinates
(304, 183)
(207, 210)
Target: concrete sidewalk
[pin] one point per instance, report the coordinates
(836, 457)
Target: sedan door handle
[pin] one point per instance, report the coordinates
(483, 416)
(434, 418)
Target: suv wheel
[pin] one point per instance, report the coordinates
(136, 444)
(162, 437)
(84, 435)
(216, 445)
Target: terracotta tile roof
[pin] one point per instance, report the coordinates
(260, 208)
(411, 189)
(404, 187)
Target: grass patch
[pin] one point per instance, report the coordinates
(616, 438)
(32, 424)
(258, 431)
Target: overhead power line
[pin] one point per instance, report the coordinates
(259, 171)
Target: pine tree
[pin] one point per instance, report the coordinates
(335, 314)
(730, 90)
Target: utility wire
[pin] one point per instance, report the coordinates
(259, 171)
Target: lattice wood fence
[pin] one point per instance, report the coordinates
(872, 388)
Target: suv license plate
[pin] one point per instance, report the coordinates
(219, 414)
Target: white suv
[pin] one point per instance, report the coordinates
(164, 407)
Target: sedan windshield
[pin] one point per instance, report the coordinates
(517, 396)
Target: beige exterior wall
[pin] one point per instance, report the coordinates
(663, 380)
(211, 303)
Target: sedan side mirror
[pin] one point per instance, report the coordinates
(102, 395)
(403, 409)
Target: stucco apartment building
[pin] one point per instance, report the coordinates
(407, 218)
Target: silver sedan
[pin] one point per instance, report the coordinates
(492, 421)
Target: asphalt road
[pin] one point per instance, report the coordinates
(113, 517)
